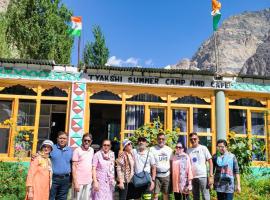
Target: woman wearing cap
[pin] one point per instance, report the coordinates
(125, 169)
(181, 173)
(39, 175)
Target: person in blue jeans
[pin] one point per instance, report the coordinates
(225, 169)
(61, 158)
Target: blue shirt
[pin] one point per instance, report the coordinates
(61, 159)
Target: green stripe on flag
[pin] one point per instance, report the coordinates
(75, 32)
(216, 19)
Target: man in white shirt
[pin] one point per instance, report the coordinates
(140, 156)
(199, 155)
(162, 154)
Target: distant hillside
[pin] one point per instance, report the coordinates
(243, 46)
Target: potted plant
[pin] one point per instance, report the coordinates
(23, 142)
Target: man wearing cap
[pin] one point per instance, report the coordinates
(125, 170)
(61, 158)
(82, 169)
(143, 156)
(162, 154)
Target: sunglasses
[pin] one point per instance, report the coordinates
(178, 147)
(142, 140)
(191, 139)
(106, 145)
(87, 140)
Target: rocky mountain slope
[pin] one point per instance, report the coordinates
(243, 46)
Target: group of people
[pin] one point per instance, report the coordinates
(56, 168)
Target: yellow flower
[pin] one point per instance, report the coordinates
(177, 130)
(167, 131)
(27, 139)
(151, 125)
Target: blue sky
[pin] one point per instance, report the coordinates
(152, 33)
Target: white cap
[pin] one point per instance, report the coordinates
(126, 142)
(47, 142)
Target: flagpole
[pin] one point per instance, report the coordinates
(79, 46)
(216, 49)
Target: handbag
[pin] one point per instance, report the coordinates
(143, 178)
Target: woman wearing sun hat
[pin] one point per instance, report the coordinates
(125, 169)
(39, 175)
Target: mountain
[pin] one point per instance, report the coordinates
(243, 46)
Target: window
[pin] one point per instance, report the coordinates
(26, 114)
(55, 92)
(19, 90)
(247, 102)
(5, 110)
(191, 100)
(157, 113)
(180, 119)
(238, 121)
(202, 120)
(134, 117)
(4, 138)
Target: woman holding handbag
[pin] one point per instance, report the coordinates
(181, 173)
(125, 169)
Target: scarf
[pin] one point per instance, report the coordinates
(225, 162)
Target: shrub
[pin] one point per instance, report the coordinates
(150, 132)
(12, 181)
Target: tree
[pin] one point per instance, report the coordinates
(96, 53)
(39, 29)
(4, 48)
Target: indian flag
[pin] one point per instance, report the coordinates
(76, 28)
(216, 6)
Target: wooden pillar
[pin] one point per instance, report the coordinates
(169, 113)
(123, 118)
(13, 128)
(37, 116)
(268, 131)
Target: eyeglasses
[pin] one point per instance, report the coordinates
(178, 147)
(106, 145)
(193, 139)
(87, 140)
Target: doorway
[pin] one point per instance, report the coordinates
(105, 123)
(52, 120)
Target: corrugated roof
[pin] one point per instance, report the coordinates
(153, 70)
(27, 61)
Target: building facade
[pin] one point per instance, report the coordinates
(112, 102)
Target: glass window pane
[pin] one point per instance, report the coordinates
(134, 117)
(202, 120)
(146, 98)
(5, 110)
(26, 115)
(257, 123)
(157, 113)
(259, 153)
(206, 141)
(4, 137)
(238, 121)
(59, 108)
(180, 119)
(44, 121)
(45, 109)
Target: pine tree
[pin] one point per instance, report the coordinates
(96, 53)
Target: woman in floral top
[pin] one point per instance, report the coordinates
(39, 175)
(181, 173)
(125, 169)
(103, 173)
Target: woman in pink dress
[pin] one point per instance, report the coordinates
(103, 173)
(181, 173)
(39, 175)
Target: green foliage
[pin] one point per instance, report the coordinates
(12, 181)
(96, 53)
(150, 132)
(244, 148)
(23, 142)
(39, 29)
(4, 47)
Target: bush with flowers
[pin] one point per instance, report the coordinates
(23, 140)
(244, 148)
(150, 132)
